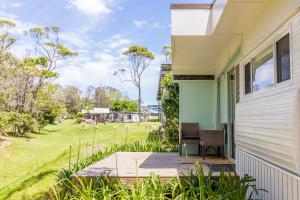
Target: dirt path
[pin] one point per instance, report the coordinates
(4, 142)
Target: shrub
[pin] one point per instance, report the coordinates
(79, 118)
(3, 120)
(170, 107)
(153, 120)
(21, 123)
(195, 186)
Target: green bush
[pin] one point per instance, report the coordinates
(3, 120)
(79, 118)
(170, 107)
(20, 123)
(153, 120)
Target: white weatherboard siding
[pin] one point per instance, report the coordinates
(267, 121)
(280, 184)
(268, 126)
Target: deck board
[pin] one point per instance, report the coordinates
(130, 165)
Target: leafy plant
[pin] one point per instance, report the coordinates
(79, 118)
(194, 186)
(20, 123)
(170, 107)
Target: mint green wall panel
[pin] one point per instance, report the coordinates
(196, 104)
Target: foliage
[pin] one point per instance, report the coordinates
(72, 100)
(49, 107)
(101, 96)
(139, 58)
(166, 52)
(25, 83)
(3, 120)
(79, 118)
(153, 120)
(19, 122)
(195, 185)
(124, 106)
(170, 107)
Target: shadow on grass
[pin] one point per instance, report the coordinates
(26, 136)
(9, 190)
(26, 183)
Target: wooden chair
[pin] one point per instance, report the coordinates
(213, 138)
(189, 134)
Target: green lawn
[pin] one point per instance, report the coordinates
(28, 164)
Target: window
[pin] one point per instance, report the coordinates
(283, 59)
(260, 71)
(248, 78)
(263, 70)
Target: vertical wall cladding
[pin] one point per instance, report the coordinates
(279, 183)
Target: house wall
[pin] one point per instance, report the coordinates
(196, 105)
(267, 121)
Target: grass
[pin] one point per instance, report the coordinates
(28, 164)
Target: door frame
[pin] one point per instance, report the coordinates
(231, 108)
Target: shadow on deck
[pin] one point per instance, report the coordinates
(129, 166)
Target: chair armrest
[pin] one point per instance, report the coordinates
(212, 137)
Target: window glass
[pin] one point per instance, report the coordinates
(248, 78)
(283, 59)
(263, 70)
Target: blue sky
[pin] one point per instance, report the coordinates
(99, 30)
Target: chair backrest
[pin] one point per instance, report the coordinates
(188, 129)
(222, 127)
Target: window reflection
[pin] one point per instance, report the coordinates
(263, 70)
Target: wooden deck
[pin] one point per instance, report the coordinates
(130, 165)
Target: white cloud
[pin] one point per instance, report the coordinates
(143, 23)
(117, 41)
(10, 4)
(140, 24)
(158, 25)
(16, 4)
(75, 39)
(92, 7)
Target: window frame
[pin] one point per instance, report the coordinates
(249, 61)
(273, 42)
(274, 67)
(285, 32)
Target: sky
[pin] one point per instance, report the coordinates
(99, 30)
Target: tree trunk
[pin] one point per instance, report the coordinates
(139, 102)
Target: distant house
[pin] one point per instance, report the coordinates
(96, 115)
(125, 117)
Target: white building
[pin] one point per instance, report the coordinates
(238, 62)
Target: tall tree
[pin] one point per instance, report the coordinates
(50, 51)
(72, 100)
(166, 53)
(139, 58)
(6, 39)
